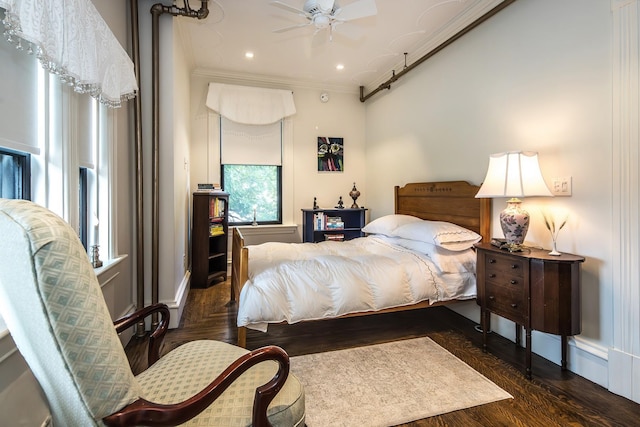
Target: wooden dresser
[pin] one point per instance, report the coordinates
(531, 288)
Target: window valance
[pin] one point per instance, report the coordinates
(250, 105)
(71, 39)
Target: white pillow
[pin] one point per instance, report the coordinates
(447, 261)
(386, 225)
(444, 234)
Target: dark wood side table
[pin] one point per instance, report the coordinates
(353, 219)
(531, 288)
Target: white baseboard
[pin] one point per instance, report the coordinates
(176, 306)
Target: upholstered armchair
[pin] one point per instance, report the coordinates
(56, 313)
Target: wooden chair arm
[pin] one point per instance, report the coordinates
(143, 412)
(156, 337)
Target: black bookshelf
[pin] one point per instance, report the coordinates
(353, 220)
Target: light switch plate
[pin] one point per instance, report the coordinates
(561, 186)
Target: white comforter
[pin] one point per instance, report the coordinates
(308, 281)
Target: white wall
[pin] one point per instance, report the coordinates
(537, 76)
(342, 116)
(173, 182)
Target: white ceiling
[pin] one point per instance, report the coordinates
(369, 48)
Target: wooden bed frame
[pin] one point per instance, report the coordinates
(451, 201)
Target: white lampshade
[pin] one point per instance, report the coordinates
(514, 174)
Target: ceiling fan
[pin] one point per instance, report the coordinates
(325, 14)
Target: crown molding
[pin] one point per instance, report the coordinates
(275, 82)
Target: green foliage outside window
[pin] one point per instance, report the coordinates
(253, 187)
(15, 175)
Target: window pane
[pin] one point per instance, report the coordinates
(83, 214)
(14, 175)
(253, 187)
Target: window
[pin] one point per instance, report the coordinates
(83, 205)
(253, 190)
(15, 174)
(251, 171)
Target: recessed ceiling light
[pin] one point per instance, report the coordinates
(248, 55)
(339, 67)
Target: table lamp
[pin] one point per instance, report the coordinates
(514, 174)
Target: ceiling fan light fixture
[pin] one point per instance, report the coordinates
(326, 14)
(321, 21)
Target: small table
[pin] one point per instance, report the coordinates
(531, 288)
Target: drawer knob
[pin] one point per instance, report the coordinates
(514, 266)
(491, 297)
(514, 305)
(492, 275)
(492, 261)
(513, 281)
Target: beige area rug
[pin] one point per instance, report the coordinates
(389, 384)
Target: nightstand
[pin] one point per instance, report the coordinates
(531, 288)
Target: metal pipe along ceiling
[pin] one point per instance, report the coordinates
(395, 76)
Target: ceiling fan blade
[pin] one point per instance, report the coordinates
(292, 27)
(356, 10)
(325, 6)
(289, 8)
(349, 31)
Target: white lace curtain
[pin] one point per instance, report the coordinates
(71, 39)
(250, 105)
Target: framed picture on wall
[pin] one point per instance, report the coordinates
(330, 154)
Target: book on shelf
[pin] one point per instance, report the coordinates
(323, 222)
(334, 223)
(209, 187)
(334, 237)
(216, 208)
(216, 229)
(318, 221)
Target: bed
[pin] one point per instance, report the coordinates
(448, 204)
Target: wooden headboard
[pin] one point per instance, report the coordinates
(451, 201)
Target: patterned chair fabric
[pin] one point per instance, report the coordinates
(56, 313)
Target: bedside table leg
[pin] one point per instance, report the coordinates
(563, 361)
(518, 335)
(484, 321)
(528, 352)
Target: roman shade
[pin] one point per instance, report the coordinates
(250, 105)
(86, 140)
(71, 39)
(250, 144)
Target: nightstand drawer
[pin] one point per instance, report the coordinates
(506, 280)
(507, 301)
(503, 266)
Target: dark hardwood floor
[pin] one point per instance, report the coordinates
(551, 398)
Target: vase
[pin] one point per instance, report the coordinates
(554, 250)
(354, 194)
